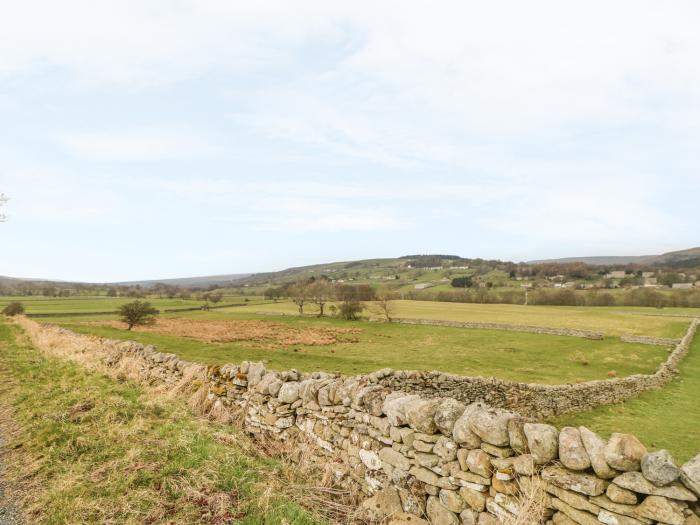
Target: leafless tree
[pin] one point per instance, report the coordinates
(299, 292)
(385, 305)
(320, 292)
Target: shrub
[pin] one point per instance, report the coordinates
(137, 313)
(350, 310)
(14, 308)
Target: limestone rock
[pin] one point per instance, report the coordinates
(610, 518)
(370, 459)
(452, 500)
(543, 442)
(395, 407)
(658, 508)
(405, 518)
(447, 413)
(636, 482)
(574, 499)
(420, 415)
(690, 474)
(516, 433)
(624, 452)
(394, 458)
(474, 499)
(479, 463)
(445, 448)
(487, 519)
(384, 504)
(579, 516)
(461, 432)
(469, 517)
(524, 465)
(289, 392)
(659, 468)
(595, 448)
(571, 450)
(491, 425)
(576, 481)
(438, 514)
(620, 495)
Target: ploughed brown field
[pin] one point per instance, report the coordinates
(258, 333)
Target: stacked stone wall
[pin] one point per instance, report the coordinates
(425, 459)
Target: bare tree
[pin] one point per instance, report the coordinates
(299, 292)
(3, 200)
(320, 292)
(385, 305)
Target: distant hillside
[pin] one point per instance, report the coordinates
(667, 259)
(186, 282)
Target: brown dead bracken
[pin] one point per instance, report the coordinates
(259, 333)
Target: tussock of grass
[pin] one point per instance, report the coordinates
(90, 449)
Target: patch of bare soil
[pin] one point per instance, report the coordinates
(261, 334)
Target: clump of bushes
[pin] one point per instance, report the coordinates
(350, 310)
(14, 308)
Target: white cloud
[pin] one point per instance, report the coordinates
(139, 144)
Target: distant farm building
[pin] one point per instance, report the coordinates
(682, 286)
(616, 274)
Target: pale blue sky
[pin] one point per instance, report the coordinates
(154, 139)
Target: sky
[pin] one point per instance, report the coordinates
(158, 139)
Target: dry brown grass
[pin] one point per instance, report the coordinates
(258, 333)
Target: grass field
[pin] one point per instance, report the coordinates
(665, 418)
(40, 304)
(611, 321)
(509, 355)
(91, 450)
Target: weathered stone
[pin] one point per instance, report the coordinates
(446, 449)
(487, 519)
(595, 448)
(479, 462)
(384, 504)
(370, 459)
(543, 442)
(420, 415)
(256, 371)
(690, 474)
(579, 516)
(516, 434)
(620, 495)
(636, 482)
(491, 425)
(576, 481)
(289, 392)
(624, 452)
(395, 407)
(449, 410)
(571, 450)
(658, 508)
(452, 500)
(462, 454)
(574, 499)
(438, 514)
(470, 477)
(422, 446)
(475, 499)
(425, 475)
(499, 452)
(461, 432)
(426, 460)
(505, 487)
(659, 468)
(618, 508)
(412, 503)
(469, 517)
(405, 518)
(394, 458)
(610, 518)
(560, 518)
(524, 465)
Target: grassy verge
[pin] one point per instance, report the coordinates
(666, 418)
(509, 355)
(90, 449)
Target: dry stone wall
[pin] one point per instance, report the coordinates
(546, 330)
(425, 460)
